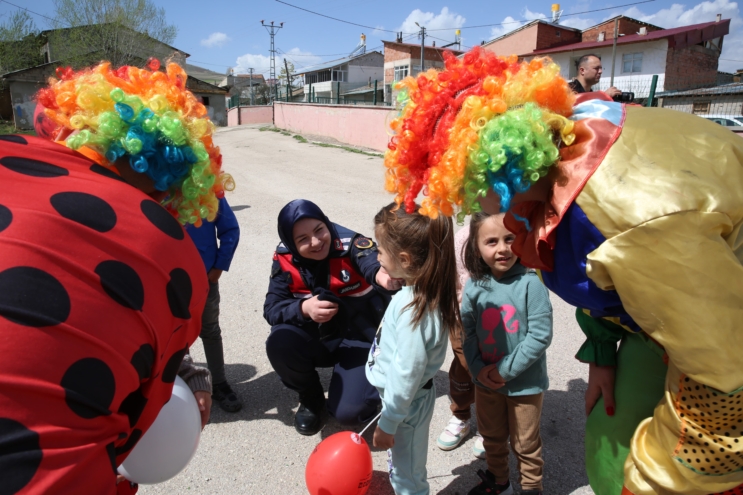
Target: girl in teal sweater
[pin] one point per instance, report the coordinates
(507, 320)
(411, 342)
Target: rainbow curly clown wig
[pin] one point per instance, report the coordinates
(484, 122)
(149, 118)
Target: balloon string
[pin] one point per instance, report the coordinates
(370, 423)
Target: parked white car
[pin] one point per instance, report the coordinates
(725, 120)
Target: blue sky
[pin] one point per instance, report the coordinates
(220, 34)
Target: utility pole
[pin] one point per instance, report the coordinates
(422, 36)
(614, 50)
(252, 92)
(288, 83)
(272, 30)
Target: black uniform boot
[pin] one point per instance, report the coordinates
(311, 415)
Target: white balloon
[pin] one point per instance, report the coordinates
(170, 443)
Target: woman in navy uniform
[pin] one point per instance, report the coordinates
(325, 300)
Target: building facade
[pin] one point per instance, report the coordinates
(683, 58)
(404, 59)
(325, 82)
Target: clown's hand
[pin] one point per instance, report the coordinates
(600, 384)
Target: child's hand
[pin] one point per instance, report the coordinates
(383, 440)
(319, 311)
(495, 377)
(484, 377)
(384, 280)
(204, 400)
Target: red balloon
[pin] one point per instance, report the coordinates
(43, 125)
(340, 465)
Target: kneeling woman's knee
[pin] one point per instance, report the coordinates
(284, 343)
(349, 414)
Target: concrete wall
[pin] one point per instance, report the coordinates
(216, 108)
(250, 115)
(729, 105)
(354, 125)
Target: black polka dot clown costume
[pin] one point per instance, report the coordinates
(101, 291)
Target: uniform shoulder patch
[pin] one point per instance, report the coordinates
(363, 243)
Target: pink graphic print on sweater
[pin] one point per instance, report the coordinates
(491, 319)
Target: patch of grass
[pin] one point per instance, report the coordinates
(349, 149)
(269, 128)
(7, 127)
(299, 138)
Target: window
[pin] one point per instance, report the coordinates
(700, 107)
(631, 62)
(401, 72)
(340, 75)
(205, 100)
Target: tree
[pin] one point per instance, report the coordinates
(20, 46)
(123, 32)
(263, 94)
(292, 73)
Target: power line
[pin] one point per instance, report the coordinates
(530, 20)
(465, 27)
(27, 10)
(335, 18)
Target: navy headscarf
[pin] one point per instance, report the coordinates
(290, 214)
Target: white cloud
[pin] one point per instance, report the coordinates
(429, 20)
(299, 58)
(577, 22)
(261, 64)
(215, 39)
(509, 23)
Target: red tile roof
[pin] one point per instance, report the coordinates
(677, 37)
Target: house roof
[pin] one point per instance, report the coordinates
(193, 84)
(724, 89)
(361, 90)
(677, 38)
(88, 26)
(333, 63)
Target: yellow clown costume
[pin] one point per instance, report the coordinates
(637, 222)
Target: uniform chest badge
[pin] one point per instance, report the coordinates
(345, 276)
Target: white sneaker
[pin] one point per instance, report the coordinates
(477, 448)
(453, 434)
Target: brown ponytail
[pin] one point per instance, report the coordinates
(433, 267)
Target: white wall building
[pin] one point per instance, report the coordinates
(325, 82)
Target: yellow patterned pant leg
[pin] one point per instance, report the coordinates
(692, 445)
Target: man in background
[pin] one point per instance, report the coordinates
(589, 74)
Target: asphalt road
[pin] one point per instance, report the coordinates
(257, 451)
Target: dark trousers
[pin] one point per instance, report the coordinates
(295, 355)
(211, 335)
